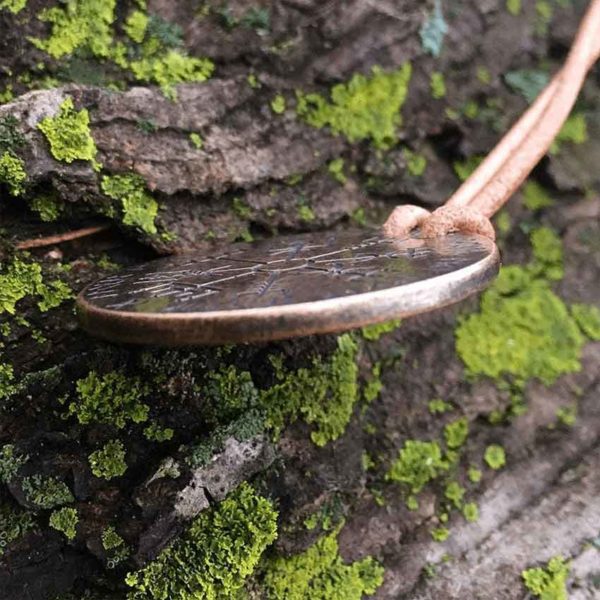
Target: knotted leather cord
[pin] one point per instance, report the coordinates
(497, 178)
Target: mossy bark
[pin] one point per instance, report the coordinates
(193, 423)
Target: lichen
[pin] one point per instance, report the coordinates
(440, 534)
(112, 399)
(415, 163)
(14, 6)
(364, 108)
(319, 573)
(513, 7)
(156, 433)
(136, 25)
(470, 512)
(417, 464)
(109, 461)
(527, 82)
(336, 170)
(434, 30)
(456, 433)
(10, 462)
(494, 456)
(574, 131)
(46, 492)
(549, 583)
(454, 492)
(14, 524)
(12, 173)
(48, 207)
(587, 318)
(65, 520)
(437, 85)
(278, 104)
(438, 406)
(68, 134)
(216, 554)
(465, 168)
(474, 474)
(196, 140)
(373, 332)
(139, 207)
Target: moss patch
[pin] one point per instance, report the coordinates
(374, 332)
(319, 573)
(68, 134)
(535, 197)
(13, 6)
(139, 207)
(364, 108)
(217, 553)
(417, 464)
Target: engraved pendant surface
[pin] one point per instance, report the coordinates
(285, 287)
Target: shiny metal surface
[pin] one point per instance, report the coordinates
(285, 287)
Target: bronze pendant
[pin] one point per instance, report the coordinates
(285, 287)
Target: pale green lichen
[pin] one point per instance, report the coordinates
(434, 30)
(12, 173)
(14, 524)
(47, 207)
(456, 433)
(139, 207)
(513, 7)
(548, 583)
(527, 82)
(156, 433)
(574, 131)
(306, 213)
(364, 108)
(438, 406)
(465, 168)
(136, 25)
(535, 197)
(440, 534)
(196, 140)
(46, 492)
(470, 512)
(415, 163)
(10, 462)
(109, 461)
(68, 134)
(474, 475)
(319, 573)
(216, 554)
(494, 456)
(455, 493)
(588, 319)
(65, 520)
(113, 399)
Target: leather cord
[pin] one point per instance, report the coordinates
(506, 167)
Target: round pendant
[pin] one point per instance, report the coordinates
(285, 287)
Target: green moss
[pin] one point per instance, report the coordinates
(373, 386)
(14, 6)
(465, 168)
(535, 197)
(278, 104)
(437, 85)
(47, 207)
(456, 433)
(574, 131)
(336, 170)
(80, 23)
(139, 207)
(549, 583)
(20, 279)
(136, 25)
(417, 464)
(433, 31)
(216, 554)
(155, 433)
(523, 329)
(364, 108)
(112, 399)
(65, 520)
(196, 140)
(438, 406)
(495, 456)
(513, 7)
(12, 173)
(14, 524)
(46, 492)
(470, 512)
(323, 395)
(567, 415)
(10, 462)
(306, 213)
(440, 534)
(109, 461)
(68, 134)
(374, 332)
(588, 319)
(320, 574)
(415, 163)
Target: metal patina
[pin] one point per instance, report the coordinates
(285, 287)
